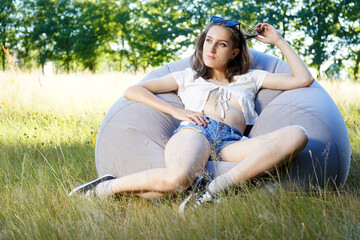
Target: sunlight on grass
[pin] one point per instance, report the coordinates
(343, 93)
(66, 92)
(47, 129)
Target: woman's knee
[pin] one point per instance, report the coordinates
(174, 182)
(298, 136)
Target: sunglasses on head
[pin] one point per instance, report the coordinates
(232, 23)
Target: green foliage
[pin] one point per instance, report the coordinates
(348, 32)
(279, 13)
(64, 36)
(24, 29)
(153, 32)
(318, 20)
(135, 34)
(42, 36)
(93, 20)
(7, 20)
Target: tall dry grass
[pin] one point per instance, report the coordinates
(65, 92)
(46, 129)
(342, 92)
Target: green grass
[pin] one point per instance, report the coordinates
(46, 149)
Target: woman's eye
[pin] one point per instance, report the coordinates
(223, 44)
(208, 40)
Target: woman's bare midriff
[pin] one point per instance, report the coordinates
(234, 116)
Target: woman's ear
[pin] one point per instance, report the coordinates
(235, 53)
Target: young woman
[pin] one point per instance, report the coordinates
(218, 92)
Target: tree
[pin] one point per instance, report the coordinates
(153, 32)
(64, 36)
(318, 20)
(348, 31)
(24, 28)
(92, 33)
(45, 26)
(280, 14)
(7, 13)
(135, 34)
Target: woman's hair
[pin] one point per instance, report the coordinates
(236, 66)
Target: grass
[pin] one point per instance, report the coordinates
(47, 126)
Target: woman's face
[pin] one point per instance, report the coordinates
(218, 48)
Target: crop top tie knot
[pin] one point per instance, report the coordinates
(195, 92)
(224, 97)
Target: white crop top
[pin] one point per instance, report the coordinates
(194, 92)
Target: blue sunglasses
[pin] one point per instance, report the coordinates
(232, 23)
(228, 22)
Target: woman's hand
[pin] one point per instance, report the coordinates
(267, 34)
(300, 75)
(190, 116)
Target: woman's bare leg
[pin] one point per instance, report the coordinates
(186, 155)
(257, 155)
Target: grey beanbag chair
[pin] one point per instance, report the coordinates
(132, 135)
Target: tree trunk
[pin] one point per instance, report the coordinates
(120, 65)
(122, 53)
(3, 60)
(318, 71)
(92, 68)
(356, 69)
(67, 66)
(67, 62)
(3, 56)
(134, 61)
(135, 65)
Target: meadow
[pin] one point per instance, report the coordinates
(48, 126)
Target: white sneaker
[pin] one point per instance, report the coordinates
(198, 196)
(84, 189)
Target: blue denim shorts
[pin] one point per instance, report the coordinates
(218, 134)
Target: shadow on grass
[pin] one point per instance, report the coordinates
(35, 181)
(61, 164)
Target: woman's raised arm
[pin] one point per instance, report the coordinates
(301, 76)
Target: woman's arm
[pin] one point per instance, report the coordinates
(301, 76)
(144, 92)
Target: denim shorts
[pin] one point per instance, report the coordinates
(218, 134)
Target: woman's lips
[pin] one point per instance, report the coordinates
(210, 57)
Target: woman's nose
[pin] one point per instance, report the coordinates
(213, 48)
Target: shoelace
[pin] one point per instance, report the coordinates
(206, 197)
(90, 193)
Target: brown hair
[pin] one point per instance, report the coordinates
(236, 66)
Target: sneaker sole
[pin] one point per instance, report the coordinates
(92, 184)
(182, 206)
(200, 183)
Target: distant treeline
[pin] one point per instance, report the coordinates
(135, 34)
